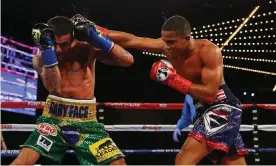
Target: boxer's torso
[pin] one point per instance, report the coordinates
(191, 67)
(78, 74)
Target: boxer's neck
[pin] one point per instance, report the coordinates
(188, 52)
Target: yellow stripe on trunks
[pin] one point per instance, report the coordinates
(70, 109)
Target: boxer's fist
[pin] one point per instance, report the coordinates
(43, 35)
(82, 31)
(164, 72)
(79, 18)
(88, 31)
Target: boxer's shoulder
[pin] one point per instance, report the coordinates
(207, 46)
(208, 50)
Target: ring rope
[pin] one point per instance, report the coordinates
(126, 105)
(143, 128)
(14, 153)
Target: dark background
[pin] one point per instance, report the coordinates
(115, 84)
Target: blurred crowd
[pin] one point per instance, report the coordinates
(17, 57)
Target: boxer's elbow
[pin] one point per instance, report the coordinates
(210, 100)
(210, 97)
(129, 61)
(54, 90)
(53, 86)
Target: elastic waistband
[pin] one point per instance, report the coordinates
(225, 94)
(62, 99)
(70, 109)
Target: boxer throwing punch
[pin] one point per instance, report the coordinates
(66, 65)
(195, 67)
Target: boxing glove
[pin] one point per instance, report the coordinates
(79, 18)
(87, 31)
(163, 72)
(43, 36)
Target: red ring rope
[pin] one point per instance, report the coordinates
(124, 105)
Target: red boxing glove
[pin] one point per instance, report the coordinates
(79, 18)
(164, 72)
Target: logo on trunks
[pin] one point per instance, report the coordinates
(216, 119)
(104, 149)
(46, 129)
(162, 74)
(44, 142)
(71, 111)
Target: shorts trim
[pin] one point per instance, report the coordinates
(81, 101)
(216, 105)
(202, 139)
(242, 152)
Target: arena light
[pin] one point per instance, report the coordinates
(256, 37)
(250, 24)
(252, 94)
(250, 70)
(240, 27)
(225, 57)
(244, 93)
(239, 19)
(154, 54)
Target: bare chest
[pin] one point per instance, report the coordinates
(76, 79)
(190, 68)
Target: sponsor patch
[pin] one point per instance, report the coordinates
(46, 129)
(104, 149)
(44, 142)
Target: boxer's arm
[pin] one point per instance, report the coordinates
(211, 77)
(118, 56)
(50, 76)
(128, 40)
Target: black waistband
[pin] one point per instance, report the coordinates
(224, 95)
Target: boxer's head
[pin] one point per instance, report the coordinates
(63, 28)
(176, 33)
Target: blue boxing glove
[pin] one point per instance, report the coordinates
(43, 36)
(188, 112)
(88, 31)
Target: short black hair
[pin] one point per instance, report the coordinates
(61, 25)
(178, 24)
